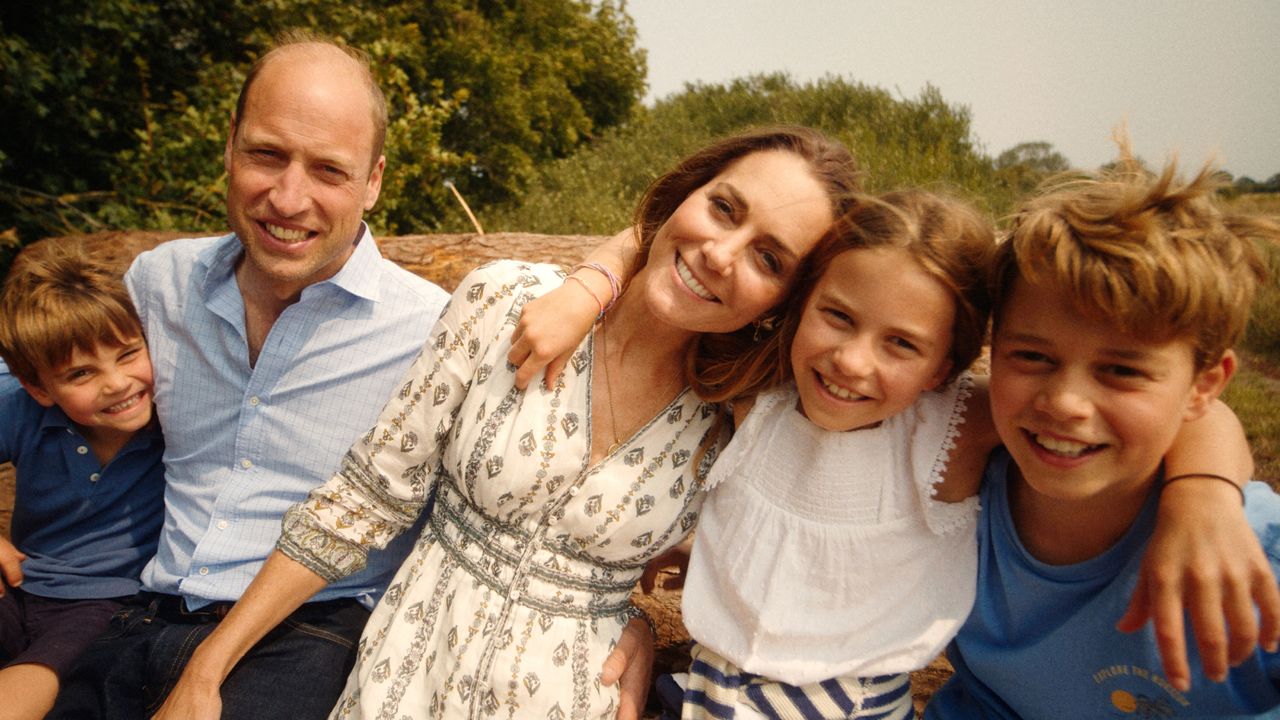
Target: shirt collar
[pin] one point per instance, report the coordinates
(359, 275)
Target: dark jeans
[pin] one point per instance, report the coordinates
(296, 671)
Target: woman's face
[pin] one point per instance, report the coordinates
(730, 251)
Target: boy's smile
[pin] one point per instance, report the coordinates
(1086, 410)
(106, 393)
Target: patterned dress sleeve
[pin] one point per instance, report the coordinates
(385, 478)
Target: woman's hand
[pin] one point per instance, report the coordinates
(192, 698)
(631, 665)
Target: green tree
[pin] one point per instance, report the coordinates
(1026, 165)
(898, 141)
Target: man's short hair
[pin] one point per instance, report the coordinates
(361, 63)
(1154, 254)
(58, 299)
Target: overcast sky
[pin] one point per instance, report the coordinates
(1199, 78)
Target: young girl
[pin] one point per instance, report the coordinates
(835, 551)
(827, 563)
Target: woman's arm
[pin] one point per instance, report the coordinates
(280, 588)
(1203, 558)
(552, 326)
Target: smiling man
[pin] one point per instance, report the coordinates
(274, 348)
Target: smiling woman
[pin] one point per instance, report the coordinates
(548, 503)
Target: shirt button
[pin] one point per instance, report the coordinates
(246, 463)
(222, 524)
(204, 571)
(83, 450)
(514, 595)
(573, 491)
(94, 477)
(254, 400)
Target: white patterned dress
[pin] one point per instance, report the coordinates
(519, 586)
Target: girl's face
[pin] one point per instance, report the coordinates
(875, 333)
(730, 251)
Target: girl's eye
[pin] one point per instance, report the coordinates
(837, 316)
(903, 343)
(1029, 356)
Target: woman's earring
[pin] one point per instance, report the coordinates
(763, 325)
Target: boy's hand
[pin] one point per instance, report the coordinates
(10, 565)
(1205, 559)
(630, 665)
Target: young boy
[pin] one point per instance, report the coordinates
(75, 420)
(1117, 304)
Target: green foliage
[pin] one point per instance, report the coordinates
(1263, 336)
(1025, 165)
(117, 110)
(898, 141)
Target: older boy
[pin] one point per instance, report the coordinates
(75, 419)
(1117, 304)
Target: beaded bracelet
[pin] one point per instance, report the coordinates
(615, 287)
(590, 292)
(1208, 476)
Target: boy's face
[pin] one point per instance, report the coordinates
(105, 392)
(1086, 410)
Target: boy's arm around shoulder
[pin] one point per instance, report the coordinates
(973, 443)
(1204, 558)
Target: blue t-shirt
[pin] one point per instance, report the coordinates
(86, 529)
(1041, 639)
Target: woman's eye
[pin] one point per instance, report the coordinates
(771, 261)
(722, 206)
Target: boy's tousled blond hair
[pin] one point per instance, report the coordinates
(1152, 253)
(58, 299)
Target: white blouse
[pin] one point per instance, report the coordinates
(822, 554)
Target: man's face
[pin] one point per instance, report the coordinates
(299, 170)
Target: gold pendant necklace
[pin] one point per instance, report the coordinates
(608, 389)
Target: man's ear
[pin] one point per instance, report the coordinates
(231, 138)
(1209, 383)
(37, 393)
(374, 186)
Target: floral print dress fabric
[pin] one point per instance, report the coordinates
(519, 585)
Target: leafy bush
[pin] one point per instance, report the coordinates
(898, 141)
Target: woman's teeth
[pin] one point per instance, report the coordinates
(691, 282)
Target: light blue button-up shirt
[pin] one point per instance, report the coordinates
(245, 443)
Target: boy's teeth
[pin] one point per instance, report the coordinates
(286, 234)
(126, 404)
(1070, 448)
(691, 282)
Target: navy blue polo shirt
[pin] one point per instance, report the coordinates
(86, 529)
